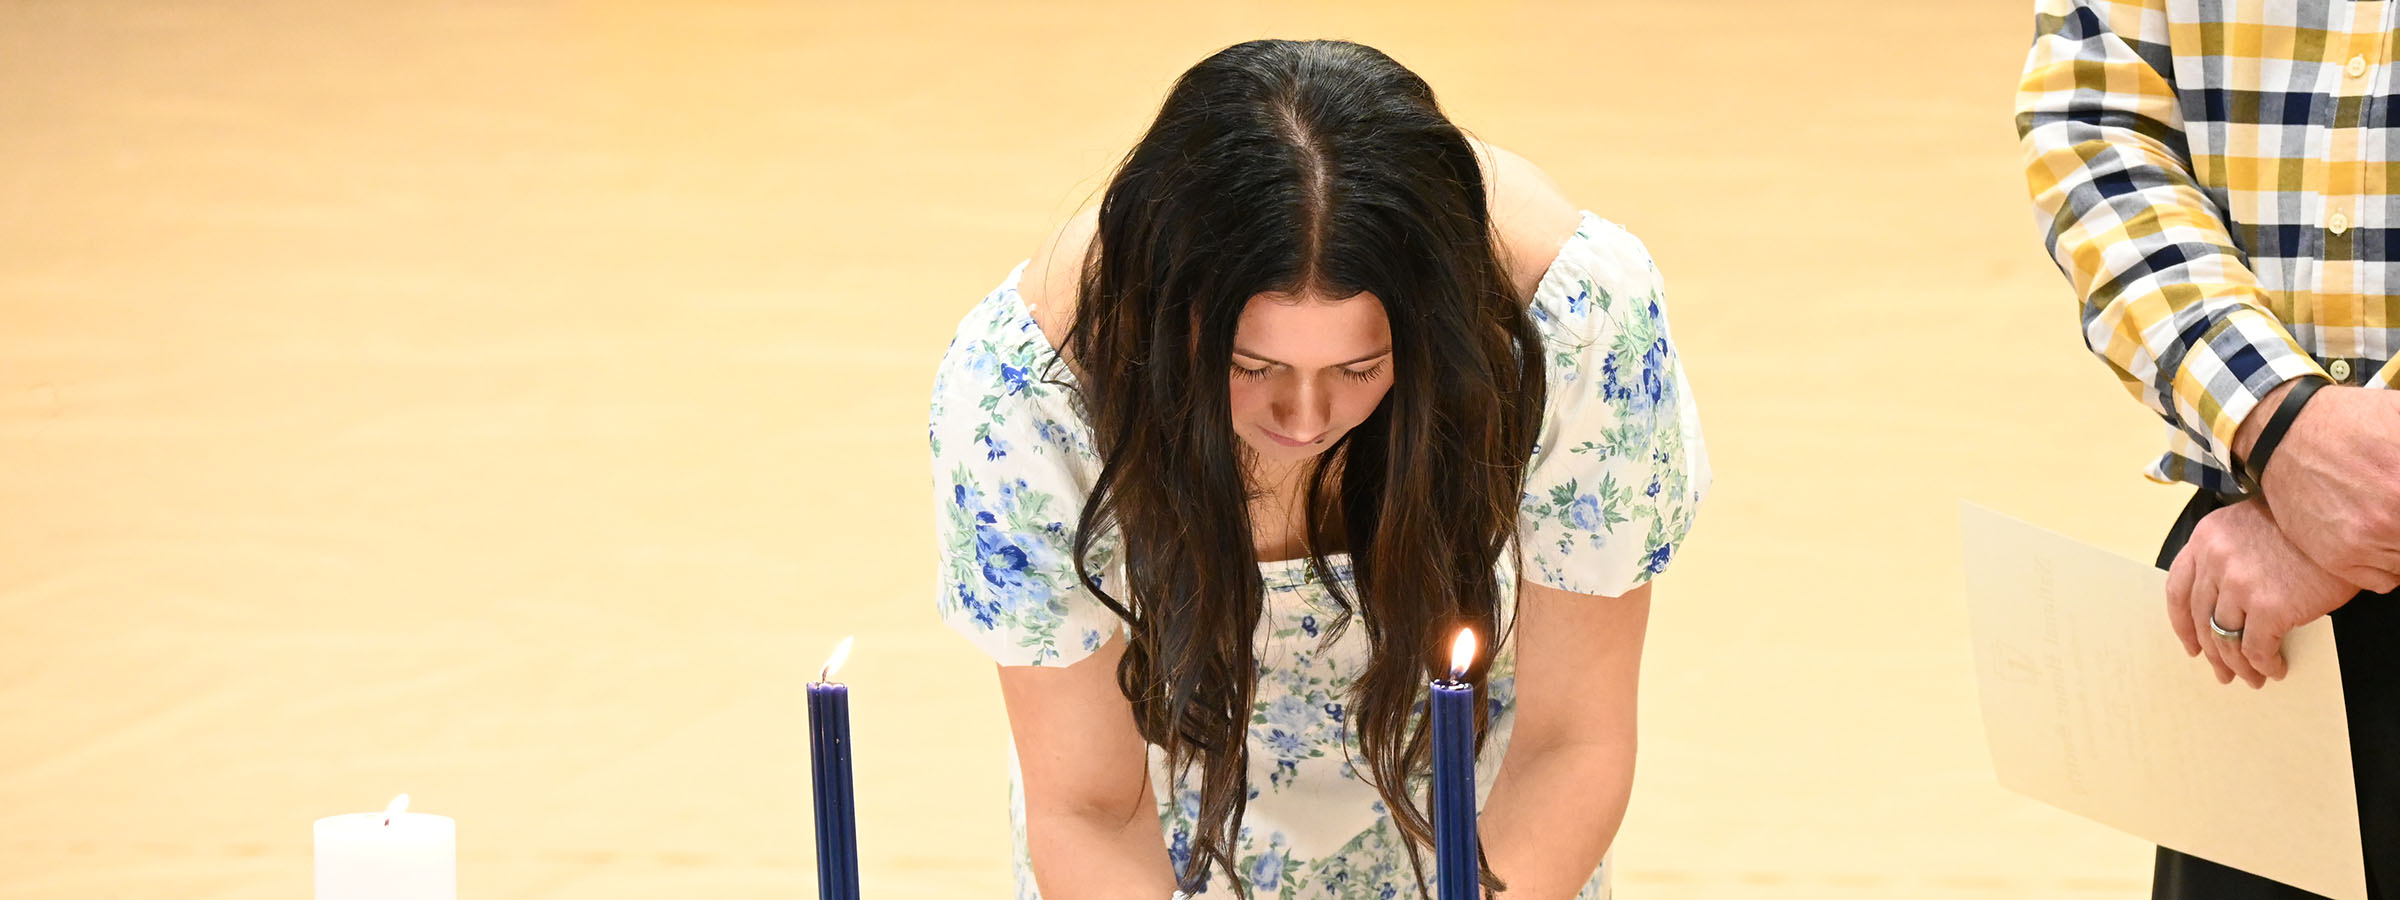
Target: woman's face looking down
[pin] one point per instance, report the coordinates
(1307, 369)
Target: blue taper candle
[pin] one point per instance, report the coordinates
(829, 763)
(1458, 874)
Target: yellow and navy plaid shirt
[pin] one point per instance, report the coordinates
(2218, 181)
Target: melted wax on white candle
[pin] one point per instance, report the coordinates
(391, 855)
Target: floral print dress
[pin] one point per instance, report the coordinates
(1611, 489)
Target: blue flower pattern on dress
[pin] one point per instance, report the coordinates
(1621, 465)
(1610, 492)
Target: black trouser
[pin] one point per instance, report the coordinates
(2367, 629)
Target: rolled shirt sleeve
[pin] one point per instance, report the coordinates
(2168, 298)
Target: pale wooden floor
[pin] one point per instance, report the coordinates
(511, 404)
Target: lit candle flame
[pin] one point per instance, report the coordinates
(1462, 653)
(840, 653)
(399, 805)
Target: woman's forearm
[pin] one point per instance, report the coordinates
(1552, 814)
(1089, 857)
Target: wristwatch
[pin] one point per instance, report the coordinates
(2250, 474)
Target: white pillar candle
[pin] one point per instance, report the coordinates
(390, 855)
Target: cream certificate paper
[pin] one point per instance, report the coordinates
(2090, 705)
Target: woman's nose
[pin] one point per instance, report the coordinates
(1302, 413)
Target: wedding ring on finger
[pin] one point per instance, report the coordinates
(2230, 634)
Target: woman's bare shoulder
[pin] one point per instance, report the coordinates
(1053, 277)
(1532, 217)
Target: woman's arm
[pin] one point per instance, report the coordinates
(1091, 820)
(1562, 787)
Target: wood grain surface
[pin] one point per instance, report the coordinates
(512, 403)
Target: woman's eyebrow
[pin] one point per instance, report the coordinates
(1379, 354)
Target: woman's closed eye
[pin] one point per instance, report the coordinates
(1369, 373)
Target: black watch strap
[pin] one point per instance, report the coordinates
(2254, 469)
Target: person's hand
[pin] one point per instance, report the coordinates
(2335, 482)
(2239, 568)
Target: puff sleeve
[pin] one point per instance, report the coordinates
(1620, 467)
(1012, 463)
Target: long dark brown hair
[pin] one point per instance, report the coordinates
(1324, 168)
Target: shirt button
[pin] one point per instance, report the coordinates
(2357, 66)
(2337, 223)
(2340, 370)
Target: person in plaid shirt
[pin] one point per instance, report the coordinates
(2218, 181)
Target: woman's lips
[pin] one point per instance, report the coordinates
(1288, 442)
